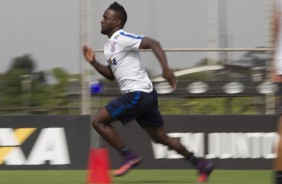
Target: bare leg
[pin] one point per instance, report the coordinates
(102, 124)
(159, 135)
(204, 167)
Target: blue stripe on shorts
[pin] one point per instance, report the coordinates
(141, 106)
(120, 109)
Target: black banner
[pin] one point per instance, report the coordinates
(44, 142)
(232, 142)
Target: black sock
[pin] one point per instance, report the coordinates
(192, 159)
(124, 151)
(278, 177)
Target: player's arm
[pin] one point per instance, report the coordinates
(148, 43)
(89, 56)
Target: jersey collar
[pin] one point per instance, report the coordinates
(116, 34)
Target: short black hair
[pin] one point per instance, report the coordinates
(120, 10)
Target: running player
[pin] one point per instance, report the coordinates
(139, 100)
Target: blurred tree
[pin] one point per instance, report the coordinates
(21, 86)
(11, 88)
(19, 89)
(24, 62)
(58, 89)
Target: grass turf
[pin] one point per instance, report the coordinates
(137, 177)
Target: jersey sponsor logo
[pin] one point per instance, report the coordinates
(112, 61)
(50, 145)
(116, 37)
(113, 46)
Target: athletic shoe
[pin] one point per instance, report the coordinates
(278, 177)
(205, 168)
(130, 162)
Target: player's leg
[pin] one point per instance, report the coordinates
(159, 135)
(125, 108)
(153, 123)
(102, 124)
(278, 160)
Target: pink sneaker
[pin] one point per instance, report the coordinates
(205, 169)
(129, 163)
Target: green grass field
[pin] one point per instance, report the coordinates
(137, 177)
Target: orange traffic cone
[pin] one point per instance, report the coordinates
(99, 167)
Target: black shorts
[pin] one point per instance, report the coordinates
(138, 105)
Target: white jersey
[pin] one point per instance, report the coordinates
(278, 53)
(122, 55)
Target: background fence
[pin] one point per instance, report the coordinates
(205, 41)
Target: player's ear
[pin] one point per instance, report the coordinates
(118, 22)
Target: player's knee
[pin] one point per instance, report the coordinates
(95, 123)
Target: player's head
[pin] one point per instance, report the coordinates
(120, 12)
(114, 18)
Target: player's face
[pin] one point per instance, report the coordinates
(108, 23)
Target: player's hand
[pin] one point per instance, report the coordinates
(88, 54)
(169, 76)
